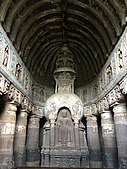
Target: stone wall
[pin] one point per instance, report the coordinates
(16, 80)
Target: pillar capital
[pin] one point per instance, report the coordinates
(119, 108)
(91, 118)
(34, 119)
(92, 121)
(11, 106)
(52, 121)
(106, 114)
(24, 112)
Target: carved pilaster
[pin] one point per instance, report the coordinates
(76, 134)
(109, 140)
(94, 143)
(20, 138)
(32, 143)
(52, 133)
(7, 128)
(83, 146)
(120, 120)
(46, 144)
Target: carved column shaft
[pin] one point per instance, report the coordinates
(109, 140)
(20, 139)
(52, 133)
(84, 148)
(46, 146)
(32, 144)
(76, 135)
(94, 143)
(120, 120)
(7, 125)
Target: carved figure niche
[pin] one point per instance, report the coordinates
(64, 129)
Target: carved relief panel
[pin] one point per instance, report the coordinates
(64, 129)
(6, 54)
(1, 46)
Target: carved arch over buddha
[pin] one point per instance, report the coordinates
(64, 128)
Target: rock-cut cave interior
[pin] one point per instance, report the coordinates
(63, 84)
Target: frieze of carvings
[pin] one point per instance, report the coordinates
(40, 111)
(11, 92)
(1, 83)
(18, 71)
(101, 81)
(84, 95)
(104, 105)
(94, 109)
(120, 59)
(87, 111)
(33, 90)
(123, 85)
(26, 82)
(6, 55)
(118, 94)
(98, 105)
(1, 46)
(6, 86)
(25, 103)
(13, 64)
(124, 48)
(112, 98)
(95, 90)
(109, 73)
(113, 65)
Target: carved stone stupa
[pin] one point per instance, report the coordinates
(64, 139)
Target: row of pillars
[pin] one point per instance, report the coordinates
(19, 142)
(108, 143)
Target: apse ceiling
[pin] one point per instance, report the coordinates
(38, 29)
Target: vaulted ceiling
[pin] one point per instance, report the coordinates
(38, 29)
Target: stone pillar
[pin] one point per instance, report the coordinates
(7, 131)
(20, 139)
(77, 134)
(45, 160)
(95, 154)
(52, 133)
(120, 120)
(83, 147)
(32, 143)
(109, 140)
